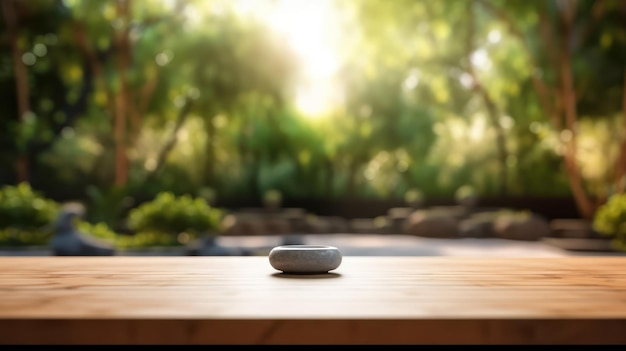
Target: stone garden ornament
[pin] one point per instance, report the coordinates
(305, 259)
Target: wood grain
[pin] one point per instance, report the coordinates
(367, 300)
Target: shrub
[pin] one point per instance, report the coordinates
(22, 207)
(174, 215)
(16, 237)
(610, 220)
(139, 240)
(25, 216)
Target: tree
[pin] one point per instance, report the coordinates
(14, 14)
(558, 37)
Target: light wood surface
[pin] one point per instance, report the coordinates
(367, 300)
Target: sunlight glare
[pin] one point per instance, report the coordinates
(311, 28)
(494, 36)
(315, 100)
(480, 59)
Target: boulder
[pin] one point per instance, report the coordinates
(432, 224)
(68, 241)
(521, 226)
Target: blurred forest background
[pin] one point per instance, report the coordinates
(344, 99)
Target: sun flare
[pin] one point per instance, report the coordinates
(311, 28)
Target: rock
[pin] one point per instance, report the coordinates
(335, 224)
(68, 241)
(363, 226)
(275, 226)
(235, 225)
(339, 225)
(457, 212)
(573, 228)
(317, 225)
(479, 225)
(521, 226)
(432, 224)
(469, 228)
(397, 216)
(305, 259)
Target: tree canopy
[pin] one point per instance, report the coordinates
(513, 98)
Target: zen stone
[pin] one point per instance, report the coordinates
(68, 241)
(305, 259)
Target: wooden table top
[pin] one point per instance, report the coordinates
(367, 300)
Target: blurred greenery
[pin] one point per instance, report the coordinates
(174, 215)
(25, 216)
(26, 219)
(115, 102)
(16, 237)
(136, 241)
(23, 208)
(610, 220)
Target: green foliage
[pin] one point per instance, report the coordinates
(172, 214)
(25, 216)
(409, 118)
(22, 207)
(108, 205)
(136, 241)
(610, 219)
(17, 237)
(207, 193)
(155, 239)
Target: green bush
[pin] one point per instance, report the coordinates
(610, 220)
(174, 215)
(25, 216)
(16, 237)
(108, 204)
(22, 207)
(140, 240)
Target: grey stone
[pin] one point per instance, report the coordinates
(432, 224)
(68, 241)
(521, 226)
(478, 225)
(305, 259)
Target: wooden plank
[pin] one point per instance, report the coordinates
(299, 331)
(56, 300)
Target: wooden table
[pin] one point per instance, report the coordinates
(367, 300)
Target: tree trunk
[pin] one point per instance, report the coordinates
(330, 177)
(620, 167)
(122, 101)
(209, 166)
(352, 181)
(568, 96)
(492, 110)
(21, 83)
(171, 141)
(555, 100)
